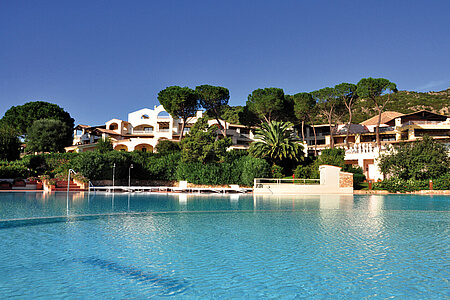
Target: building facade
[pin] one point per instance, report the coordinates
(395, 128)
(145, 128)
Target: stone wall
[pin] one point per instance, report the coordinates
(345, 179)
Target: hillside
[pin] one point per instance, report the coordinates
(402, 101)
(406, 102)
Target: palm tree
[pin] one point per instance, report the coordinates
(275, 142)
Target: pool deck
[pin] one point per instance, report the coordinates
(167, 189)
(171, 189)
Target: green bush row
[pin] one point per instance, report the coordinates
(394, 185)
(238, 167)
(241, 171)
(14, 171)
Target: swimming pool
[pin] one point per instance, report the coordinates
(139, 246)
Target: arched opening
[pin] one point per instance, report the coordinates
(144, 148)
(145, 117)
(121, 148)
(164, 115)
(113, 126)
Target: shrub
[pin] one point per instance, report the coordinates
(199, 173)
(422, 160)
(163, 167)
(276, 171)
(305, 172)
(165, 147)
(400, 185)
(13, 171)
(442, 183)
(252, 168)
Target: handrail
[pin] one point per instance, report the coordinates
(258, 182)
(68, 179)
(91, 184)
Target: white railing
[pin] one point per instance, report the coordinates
(262, 182)
(360, 148)
(143, 131)
(422, 123)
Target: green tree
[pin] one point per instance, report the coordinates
(179, 102)
(347, 93)
(165, 147)
(9, 143)
(104, 145)
(275, 142)
(201, 145)
(332, 157)
(213, 99)
(330, 106)
(231, 113)
(248, 117)
(422, 160)
(23, 116)
(267, 104)
(305, 110)
(47, 135)
(374, 89)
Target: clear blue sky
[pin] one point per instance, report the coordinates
(103, 59)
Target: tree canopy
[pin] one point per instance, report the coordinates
(9, 143)
(47, 135)
(179, 102)
(213, 99)
(267, 104)
(329, 105)
(374, 89)
(104, 145)
(424, 159)
(201, 145)
(347, 93)
(303, 107)
(23, 116)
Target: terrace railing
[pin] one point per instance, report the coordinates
(261, 182)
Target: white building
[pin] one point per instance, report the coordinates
(145, 128)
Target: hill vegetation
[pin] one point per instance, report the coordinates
(406, 102)
(402, 101)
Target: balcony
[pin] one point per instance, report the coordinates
(143, 131)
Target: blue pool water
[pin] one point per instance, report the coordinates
(136, 246)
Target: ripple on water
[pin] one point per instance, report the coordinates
(318, 253)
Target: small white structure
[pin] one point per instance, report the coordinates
(332, 181)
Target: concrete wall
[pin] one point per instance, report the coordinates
(332, 181)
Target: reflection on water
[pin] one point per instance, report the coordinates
(32, 205)
(191, 246)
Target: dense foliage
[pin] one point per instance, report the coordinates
(423, 160)
(179, 102)
(213, 99)
(22, 117)
(9, 143)
(202, 145)
(276, 142)
(268, 104)
(48, 135)
(104, 145)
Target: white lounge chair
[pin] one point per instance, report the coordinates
(182, 186)
(235, 187)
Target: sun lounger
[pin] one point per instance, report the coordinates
(235, 187)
